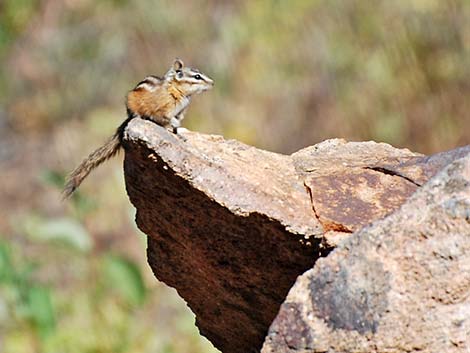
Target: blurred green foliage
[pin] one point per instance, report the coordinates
(90, 304)
(60, 293)
(73, 276)
(288, 73)
(125, 276)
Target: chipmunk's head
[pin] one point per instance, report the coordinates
(188, 80)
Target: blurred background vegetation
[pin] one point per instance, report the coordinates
(73, 276)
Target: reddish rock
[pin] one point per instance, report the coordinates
(348, 189)
(231, 226)
(401, 285)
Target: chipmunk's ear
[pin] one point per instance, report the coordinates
(175, 70)
(178, 64)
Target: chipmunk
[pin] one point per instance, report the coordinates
(161, 100)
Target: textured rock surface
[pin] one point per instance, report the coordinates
(401, 285)
(227, 225)
(231, 226)
(347, 185)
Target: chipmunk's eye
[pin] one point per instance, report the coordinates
(198, 77)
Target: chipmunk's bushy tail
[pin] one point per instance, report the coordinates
(108, 150)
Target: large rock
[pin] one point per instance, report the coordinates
(231, 226)
(400, 285)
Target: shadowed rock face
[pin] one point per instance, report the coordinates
(220, 263)
(229, 240)
(231, 226)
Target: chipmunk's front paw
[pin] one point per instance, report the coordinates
(179, 132)
(182, 130)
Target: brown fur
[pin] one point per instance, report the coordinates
(108, 150)
(155, 105)
(175, 92)
(158, 105)
(162, 100)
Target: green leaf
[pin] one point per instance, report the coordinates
(125, 276)
(64, 230)
(6, 268)
(53, 178)
(83, 204)
(40, 309)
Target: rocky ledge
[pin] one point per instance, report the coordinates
(231, 227)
